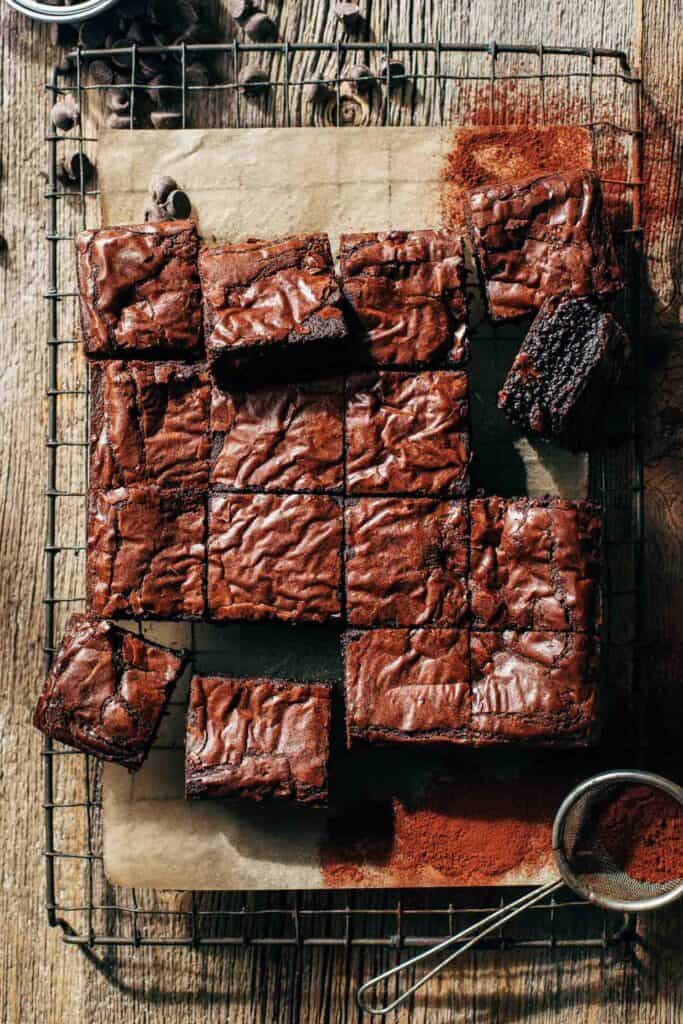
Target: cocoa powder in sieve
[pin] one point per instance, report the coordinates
(642, 829)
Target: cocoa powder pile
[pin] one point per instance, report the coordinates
(642, 830)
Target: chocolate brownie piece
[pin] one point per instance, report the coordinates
(272, 301)
(146, 553)
(406, 562)
(534, 687)
(407, 433)
(407, 685)
(407, 293)
(274, 556)
(149, 423)
(258, 739)
(282, 438)
(107, 690)
(139, 290)
(567, 371)
(541, 237)
(535, 563)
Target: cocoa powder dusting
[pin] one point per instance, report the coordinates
(642, 829)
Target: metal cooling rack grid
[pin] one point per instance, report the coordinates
(446, 84)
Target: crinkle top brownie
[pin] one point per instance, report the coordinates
(139, 290)
(106, 691)
(407, 293)
(541, 237)
(257, 738)
(149, 423)
(264, 296)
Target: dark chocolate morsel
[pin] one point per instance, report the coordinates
(100, 72)
(349, 13)
(65, 114)
(160, 188)
(63, 35)
(395, 69)
(163, 119)
(254, 81)
(77, 166)
(178, 205)
(118, 100)
(261, 28)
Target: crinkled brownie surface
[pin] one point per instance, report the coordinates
(258, 739)
(106, 691)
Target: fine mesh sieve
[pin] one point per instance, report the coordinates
(584, 864)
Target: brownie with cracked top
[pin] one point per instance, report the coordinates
(541, 237)
(406, 291)
(288, 437)
(149, 423)
(146, 553)
(274, 556)
(139, 290)
(535, 563)
(566, 374)
(257, 739)
(106, 691)
(406, 562)
(271, 305)
(407, 433)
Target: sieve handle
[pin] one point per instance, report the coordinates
(475, 931)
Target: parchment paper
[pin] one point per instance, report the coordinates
(264, 183)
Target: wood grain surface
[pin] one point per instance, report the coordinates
(41, 978)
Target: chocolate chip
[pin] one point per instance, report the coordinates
(77, 166)
(260, 28)
(118, 100)
(153, 213)
(360, 77)
(160, 188)
(196, 74)
(254, 81)
(115, 120)
(178, 205)
(65, 114)
(396, 69)
(100, 72)
(164, 119)
(240, 9)
(350, 14)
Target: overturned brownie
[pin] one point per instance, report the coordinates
(406, 562)
(541, 237)
(407, 433)
(149, 423)
(288, 437)
(274, 556)
(406, 290)
(139, 290)
(566, 373)
(106, 691)
(535, 563)
(146, 553)
(258, 739)
(272, 307)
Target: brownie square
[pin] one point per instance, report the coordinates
(272, 301)
(541, 237)
(406, 562)
(274, 556)
(149, 423)
(534, 687)
(139, 290)
(146, 553)
(258, 739)
(535, 563)
(106, 691)
(282, 438)
(566, 374)
(407, 685)
(407, 433)
(407, 293)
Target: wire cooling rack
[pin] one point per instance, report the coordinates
(441, 84)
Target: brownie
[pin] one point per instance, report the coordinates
(107, 690)
(562, 384)
(274, 556)
(407, 685)
(282, 438)
(258, 739)
(535, 687)
(272, 302)
(407, 433)
(146, 553)
(139, 290)
(406, 290)
(406, 562)
(149, 423)
(535, 563)
(541, 237)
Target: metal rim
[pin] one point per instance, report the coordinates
(618, 775)
(62, 15)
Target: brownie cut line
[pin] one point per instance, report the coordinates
(107, 690)
(257, 739)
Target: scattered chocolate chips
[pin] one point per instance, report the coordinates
(65, 114)
(254, 80)
(260, 28)
(349, 14)
(396, 70)
(160, 188)
(178, 205)
(164, 119)
(76, 167)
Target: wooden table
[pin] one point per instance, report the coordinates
(41, 979)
